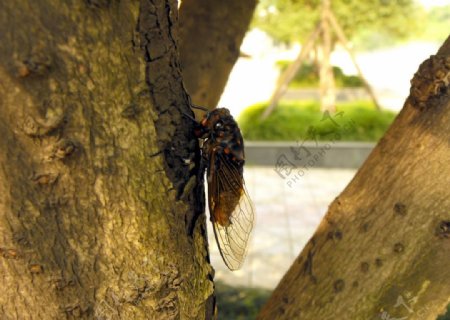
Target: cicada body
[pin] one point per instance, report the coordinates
(232, 212)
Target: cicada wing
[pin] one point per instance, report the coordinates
(232, 211)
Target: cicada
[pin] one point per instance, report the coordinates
(232, 212)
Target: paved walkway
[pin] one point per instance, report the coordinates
(287, 216)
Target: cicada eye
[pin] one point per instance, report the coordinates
(218, 125)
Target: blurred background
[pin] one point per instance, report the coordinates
(311, 107)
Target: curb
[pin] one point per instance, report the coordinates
(332, 154)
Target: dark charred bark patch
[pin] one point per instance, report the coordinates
(399, 247)
(163, 77)
(365, 227)
(443, 230)
(308, 266)
(364, 267)
(431, 82)
(131, 111)
(400, 209)
(339, 285)
(379, 262)
(37, 64)
(43, 179)
(335, 235)
(98, 3)
(64, 148)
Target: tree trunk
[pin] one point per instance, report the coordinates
(383, 249)
(345, 43)
(288, 75)
(211, 33)
(98, 165)
(327, 88)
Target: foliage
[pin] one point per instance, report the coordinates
(239, 303)
(437, 28)
(293, 20)
(298, 120)
(308, 76)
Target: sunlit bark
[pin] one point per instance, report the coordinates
(97, 218)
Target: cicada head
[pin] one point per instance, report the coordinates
(214, 122)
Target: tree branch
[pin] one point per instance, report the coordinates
(211, 34)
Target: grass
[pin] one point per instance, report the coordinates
(303, 120)
(239, 303)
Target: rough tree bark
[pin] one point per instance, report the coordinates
(383, 249)
(98, 200)
(211, 33)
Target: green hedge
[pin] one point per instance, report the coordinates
(308, 76)
(353, 121)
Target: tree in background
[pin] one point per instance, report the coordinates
(438, 24)
(292, 20)
(319, 25)
(210, 44)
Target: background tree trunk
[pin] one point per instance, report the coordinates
(211, 33)
(327, 86)
(383, 249)
(98, 166)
